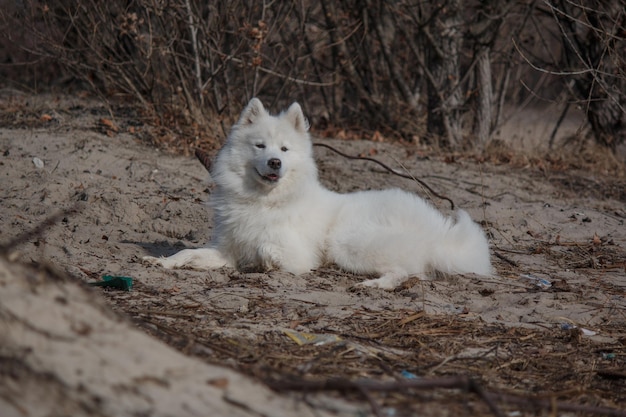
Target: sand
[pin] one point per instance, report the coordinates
(558, 240)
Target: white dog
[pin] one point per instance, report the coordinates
(272, 212)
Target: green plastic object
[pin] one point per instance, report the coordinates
(110, 281)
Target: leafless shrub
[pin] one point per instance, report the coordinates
(438, 70)
(594, 40)
(586, 41)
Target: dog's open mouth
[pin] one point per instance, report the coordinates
(269, 177)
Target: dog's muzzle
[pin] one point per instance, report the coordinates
(273, 174)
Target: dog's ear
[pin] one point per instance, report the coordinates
(252, 112)
(296, 118)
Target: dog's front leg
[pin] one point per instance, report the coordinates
(201, 258)
(388, 281)
(270, 257)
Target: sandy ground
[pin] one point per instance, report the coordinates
(556, 309)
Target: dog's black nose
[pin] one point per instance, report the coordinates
(274, 163)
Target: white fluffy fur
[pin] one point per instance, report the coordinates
(271, 214)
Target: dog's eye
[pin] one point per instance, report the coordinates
(260, 146)
(284, 149)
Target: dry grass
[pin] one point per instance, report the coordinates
(517, 368)
(550, 364)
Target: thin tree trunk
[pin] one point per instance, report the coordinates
(382, 34)
(444, 99)
(484, 110)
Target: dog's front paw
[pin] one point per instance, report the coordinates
(375, 283)
(151, 260)
(270, 257)
(388, 281)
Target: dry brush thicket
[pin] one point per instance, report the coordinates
(441, 71)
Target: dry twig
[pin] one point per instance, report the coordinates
(391, 170)
(37, 230)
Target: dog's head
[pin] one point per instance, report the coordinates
(265, 152)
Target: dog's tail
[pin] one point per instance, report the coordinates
(464, 248)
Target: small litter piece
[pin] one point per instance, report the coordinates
(38, 163)
(110, 281)
(585, 332)
(537, 281)
(588, 332)
(408, 375)
(302, 338)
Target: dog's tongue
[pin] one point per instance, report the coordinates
(272, 177)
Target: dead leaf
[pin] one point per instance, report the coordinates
(560, 285)
(377, 137)
(596, 240)
(108, 123)
(108, 127)
(218, 382)
(173, 290)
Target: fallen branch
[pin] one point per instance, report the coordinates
(37, 230)
(367, 386)
(391, 170)
(505, 259)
